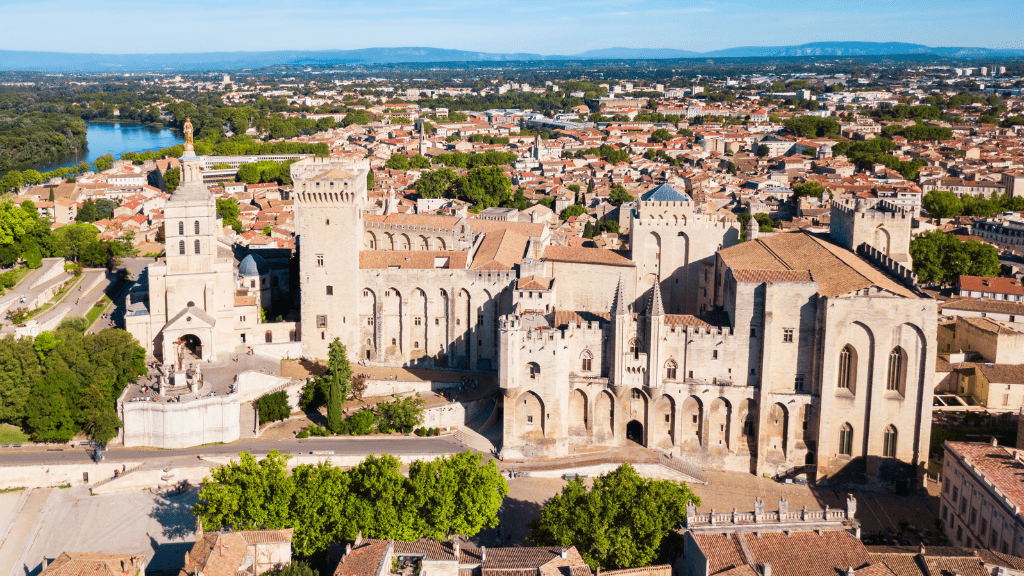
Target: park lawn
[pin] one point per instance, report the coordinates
(96, 310)
(10, 434)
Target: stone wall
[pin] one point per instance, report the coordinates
(180, 424)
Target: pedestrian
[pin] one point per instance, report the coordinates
(124, 467)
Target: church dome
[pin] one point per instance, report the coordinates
(253, 265)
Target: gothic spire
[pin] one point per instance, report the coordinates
(656, 308)
(619, 304)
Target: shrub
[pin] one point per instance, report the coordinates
(273, 407)
(435, 431)
(303, 434)
(419, 431)
(76, 323)
(399, 415)
(317, 430)
(361, 423)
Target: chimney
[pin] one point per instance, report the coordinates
(348, 549)
(455, 547)
(186, 558)
(994, 441)
(199, 529)
(767, 570)
(45, 563)
(849, 571)
(483, 554)
(359, 539)
(565, 553)
(921, 550)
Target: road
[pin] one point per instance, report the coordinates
(340, 446)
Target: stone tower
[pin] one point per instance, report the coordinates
(330, 196)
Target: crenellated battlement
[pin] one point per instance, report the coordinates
(408, 227)
(690, 222)
(905, 275)
(848, 209)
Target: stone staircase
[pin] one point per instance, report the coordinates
(474, 440)
(246, 420)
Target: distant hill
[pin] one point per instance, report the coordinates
(77, 62)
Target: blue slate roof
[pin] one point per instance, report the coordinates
(665, 193)
(253, 265)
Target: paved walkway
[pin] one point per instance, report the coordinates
(23, 529)
(340, 445)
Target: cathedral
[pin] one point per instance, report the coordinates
(780, 351)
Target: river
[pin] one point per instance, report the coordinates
(119, 137)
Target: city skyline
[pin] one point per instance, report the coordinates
(503, 26)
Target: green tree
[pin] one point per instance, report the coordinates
(397, 162)
(369, 180)
(436, 183)
(227, 208)
(572, 210)
(318, 392)
(619, 195)
(318, 508)
(248, 495)
(942, 258)
(660, 135)
(105, 162)
(73, 240)
(172, 177)
(459, 494)
(87, 213)
(588, 230)
(51, 409)
(379, 501)
(811, 189)
(624, 521)
(273, 407)
(401, 415)
(942, 204)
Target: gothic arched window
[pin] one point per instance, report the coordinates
(181, 246)
(847, 368)
(181, 228)
(846, 440)
(197, 247)
(897, 370)
(197, 226)
(670, 369)
(889, 442)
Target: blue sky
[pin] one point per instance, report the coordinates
(536, 26)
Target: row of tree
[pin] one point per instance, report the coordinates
(326, 504)
(946, 204)
(941, 258)
(623, 521)
(61, 383)
(26, 236)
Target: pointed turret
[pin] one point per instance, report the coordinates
(656, 308)
(619, 304)
(753, 229)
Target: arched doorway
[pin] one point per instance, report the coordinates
(193, 344)
(635, 432)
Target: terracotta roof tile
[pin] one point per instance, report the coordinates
(998, 464)
(94, 564)
(723, 553)
(414, 259)
(581, 255)
(500, 250)
(837, 270)
(807, 553)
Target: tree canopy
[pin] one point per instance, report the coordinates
(624, 521)
(62, 383)
(941, 258)
(459, 494)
